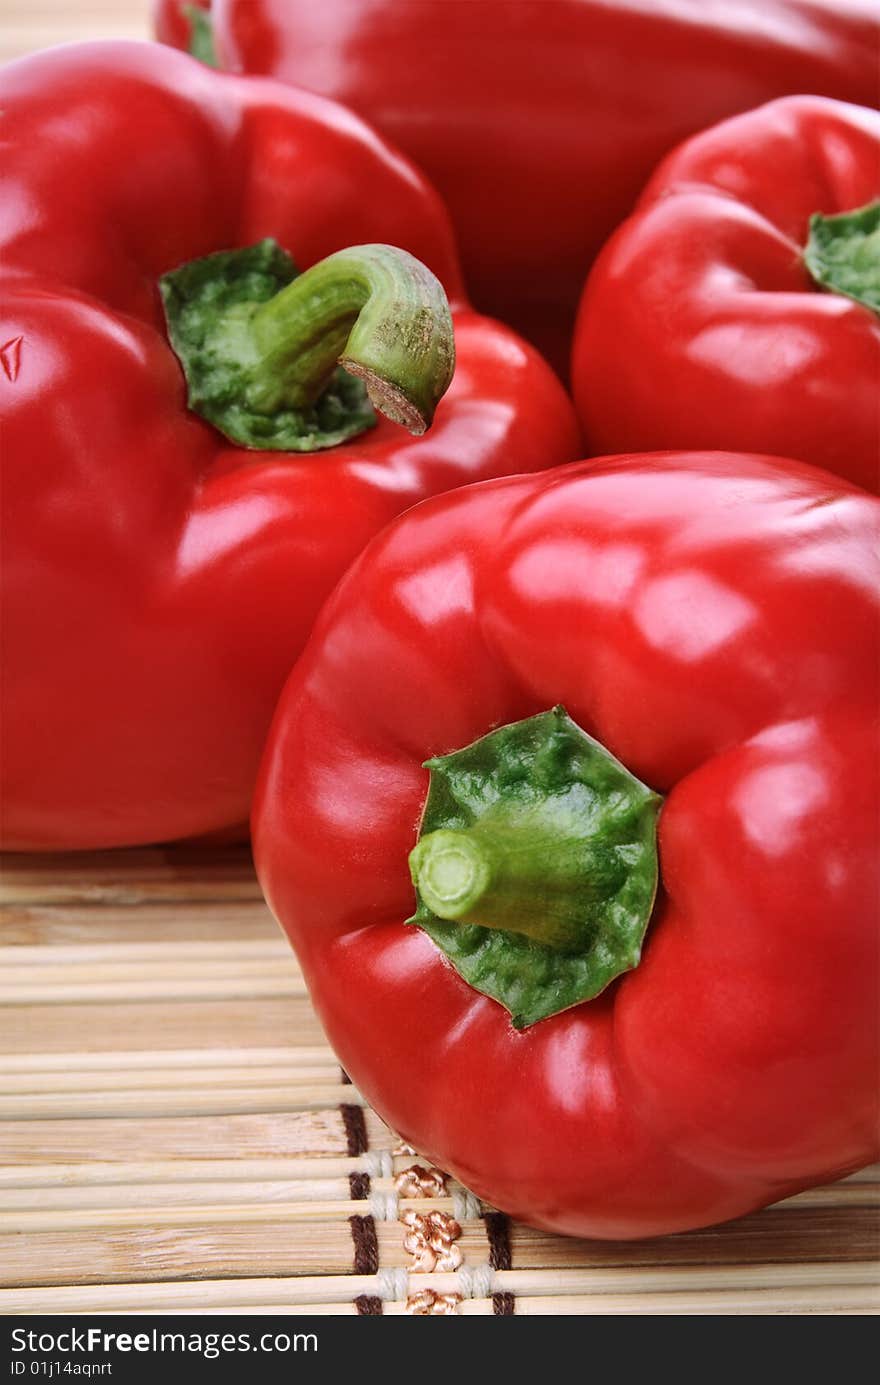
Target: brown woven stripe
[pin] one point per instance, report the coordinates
(355, 1130)
(500, 1258)
(359, 1186)
(368, 1306)
(498, 1232)
(363, 1229)
(366, 1245)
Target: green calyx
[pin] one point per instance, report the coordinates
(843, 254)
(536, 865)
(279, 360)
(201, 35)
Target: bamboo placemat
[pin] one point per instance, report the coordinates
(177, 1136)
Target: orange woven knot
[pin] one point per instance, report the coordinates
(431, 1238)
(420, 1182)
(426, 1303)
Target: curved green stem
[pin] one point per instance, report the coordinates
(262, 345)
(376, 311)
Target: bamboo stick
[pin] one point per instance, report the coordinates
(288, 1248)
(144, 876)
(243, 1169)
(159, 923)
(217, 1202)
(166, 978)
(124, 974)
(179, 1101)
(546, 1307)
(344, 1309)
(224, 987)
(721, 1303)
(179, 1172)
(835, 1195)
(279, 1247)
(854, 1302)
(871, 1174)
(131, 1060)
(211, 1190)
(485, 1308)
(235, 1192)
(262, 1294)
(123, 954)
(153, 1024)
(146, 1196)
(260, 1135)
(177, 1079)
(63, 1220)
(780, 1233)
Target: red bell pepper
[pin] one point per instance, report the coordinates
(159, 579)
(540, 120)
(738, 306)
(709, 623)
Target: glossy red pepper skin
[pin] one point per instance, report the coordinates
(158, 582)
(713, 621)
(540, 120)
(700, 325)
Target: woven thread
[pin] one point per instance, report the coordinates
(368, 1306)
(355, 1130)
(393, 1285)
(384, 1206)
(476, 1282)
(363, 1229)
(359, 1187)
(498, 1232)
(430, 1239)
(378, 1163)
(426, 1303)
(418, 1181)
(500, 1258)
(366, 1245)
(465, 1207)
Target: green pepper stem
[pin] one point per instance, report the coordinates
(524, 875)
(451, 871)
(373, 309)
(201, 35)
(536, 864)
